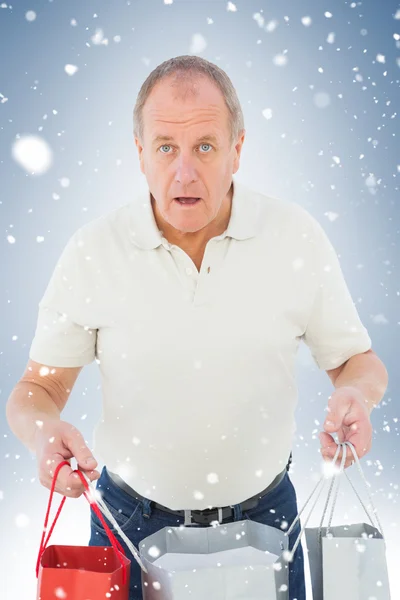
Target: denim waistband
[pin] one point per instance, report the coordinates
(204, 516)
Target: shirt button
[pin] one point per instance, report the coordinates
(189, 271)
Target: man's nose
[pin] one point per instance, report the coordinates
(185, 170)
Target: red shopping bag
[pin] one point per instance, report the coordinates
(81, 572)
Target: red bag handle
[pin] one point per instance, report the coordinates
(114, 542)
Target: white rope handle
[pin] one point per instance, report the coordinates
(311, 495)
(376, 524)
(361, 502)
(357, 460)
(106, 512)
(335, 479)
(323, 481)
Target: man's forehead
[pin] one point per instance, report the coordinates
(209, 137)
(168, 119)
(209, 122)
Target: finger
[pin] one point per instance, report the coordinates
(74, 487)
(341, 434)
(92, 475)
(361, 445)
(329, 448)
(328, 445)
(89, 475)
(355, 413)
(349, 462)
(328, 459)
(68, 482)
(47, 473)
(360, 435)
(75, 442)
(336, 412)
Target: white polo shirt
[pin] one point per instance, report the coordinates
(197, 368)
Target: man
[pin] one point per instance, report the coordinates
(193, 299)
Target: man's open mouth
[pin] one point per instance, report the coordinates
(187, 200)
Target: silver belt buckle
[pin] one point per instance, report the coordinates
(189, 516)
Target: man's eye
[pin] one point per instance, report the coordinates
(168, 146)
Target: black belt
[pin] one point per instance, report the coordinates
(207, 515)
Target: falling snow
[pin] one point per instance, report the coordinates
(267, 113)
(98, 38)
(271, 25)
(307, 21)
(32, 153)
(332, 216)
(280, 60)
(22, 521)
(322, 100)
(198, 44)
(70, 69)
(330, 144)
(30, 15)
(259, 19)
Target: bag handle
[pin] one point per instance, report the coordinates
(105, 510)
(43, 543)
(323, 481)
(335, 478)
(374, 511)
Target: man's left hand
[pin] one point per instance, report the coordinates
(349, 417)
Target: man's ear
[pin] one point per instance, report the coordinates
(238, 150)
(139, 146)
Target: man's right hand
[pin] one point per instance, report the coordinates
(55, 442)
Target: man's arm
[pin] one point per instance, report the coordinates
(367, 373)
(33, 413)
(360, 385)
(40, 395)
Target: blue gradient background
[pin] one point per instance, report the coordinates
(289, 156)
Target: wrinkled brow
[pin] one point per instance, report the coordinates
(168, 138)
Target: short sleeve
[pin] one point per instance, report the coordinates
(334, 332)
(62, 339)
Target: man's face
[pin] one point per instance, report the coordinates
(187, 151)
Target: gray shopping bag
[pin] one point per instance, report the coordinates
(234, 561)
(347, 562)
(242, 560)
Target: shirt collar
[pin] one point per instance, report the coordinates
(243, 223)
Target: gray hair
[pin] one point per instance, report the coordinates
(185, 68)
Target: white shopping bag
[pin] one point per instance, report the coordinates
(242, 559)
(234, 561)
(353, 561)
(347, 562)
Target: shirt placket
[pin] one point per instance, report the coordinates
(198, 285)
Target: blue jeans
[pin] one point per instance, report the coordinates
(277, 506)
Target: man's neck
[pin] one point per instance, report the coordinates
(196, 241)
